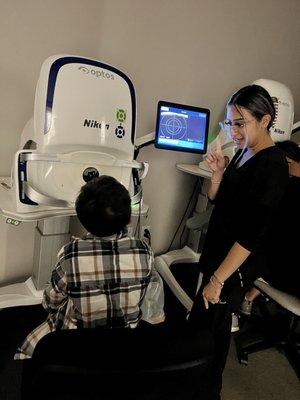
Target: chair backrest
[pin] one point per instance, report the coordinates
(151, 362)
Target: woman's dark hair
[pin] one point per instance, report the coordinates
(103, 206)
(290, 149)
(256, 100)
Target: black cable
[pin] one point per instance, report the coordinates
(184, 228)
(147, 235)
(181, 236)
(186, 209)
(138, 224)
(297, 129)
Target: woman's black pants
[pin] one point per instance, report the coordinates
(218, 319)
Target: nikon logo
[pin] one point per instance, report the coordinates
(98, 73)
(279, 131)
(92, 123)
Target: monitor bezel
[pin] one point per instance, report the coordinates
(161, 146)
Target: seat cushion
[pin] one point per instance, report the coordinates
(146, 347)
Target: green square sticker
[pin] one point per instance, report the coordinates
(121, 115)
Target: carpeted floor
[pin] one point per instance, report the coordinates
(268, 376)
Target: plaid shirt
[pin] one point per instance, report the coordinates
(97, 282)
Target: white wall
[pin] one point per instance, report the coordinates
(31, 31)
(188, 51)
(16, 251)
(195, 52)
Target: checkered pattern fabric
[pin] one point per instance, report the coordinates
(96, 282)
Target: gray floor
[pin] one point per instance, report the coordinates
(268, 375)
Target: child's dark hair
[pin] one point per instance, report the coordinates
(290, 149)
(256, 100)
(103, 206)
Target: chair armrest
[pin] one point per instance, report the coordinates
(163, 269)
(287, 301)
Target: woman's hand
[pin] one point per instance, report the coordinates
(216, 159)
(211, 294)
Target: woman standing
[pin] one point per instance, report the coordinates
(246, 194)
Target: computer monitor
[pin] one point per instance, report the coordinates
(182, 128)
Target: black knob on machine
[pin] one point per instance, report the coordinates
(90, 173)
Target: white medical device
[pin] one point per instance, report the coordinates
(83, 126)
(281, 128)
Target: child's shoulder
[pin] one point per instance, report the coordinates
(135, 242)
(73, 247)
(124, 244)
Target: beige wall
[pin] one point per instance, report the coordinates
(195, 52)
(31, 31)
(189, 51)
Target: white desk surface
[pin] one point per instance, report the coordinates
(194, 170)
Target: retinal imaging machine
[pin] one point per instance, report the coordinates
(84, 126)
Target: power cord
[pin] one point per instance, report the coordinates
(138, 224)
(147, 235)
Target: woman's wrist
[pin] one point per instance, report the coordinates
(216, 177)
(220, 282)
(216, 282)
(215, 180)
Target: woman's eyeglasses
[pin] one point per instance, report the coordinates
(228, 125)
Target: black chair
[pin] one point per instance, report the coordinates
(149, 362)
(274, 325)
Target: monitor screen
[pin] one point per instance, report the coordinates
(181, 128)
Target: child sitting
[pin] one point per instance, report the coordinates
(101, 279)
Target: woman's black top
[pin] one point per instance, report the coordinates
(244, 207)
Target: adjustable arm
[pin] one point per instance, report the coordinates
(143, 141)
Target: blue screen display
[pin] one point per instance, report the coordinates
(182, 129)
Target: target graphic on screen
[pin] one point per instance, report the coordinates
(173, 125)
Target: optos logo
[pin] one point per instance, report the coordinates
(98, 73)
(84, 69)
